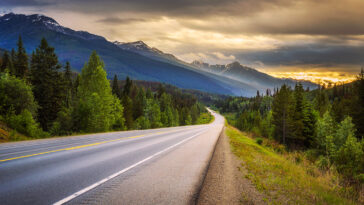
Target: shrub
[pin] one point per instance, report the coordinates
(259, 141)
(24, 123)
(15, 95)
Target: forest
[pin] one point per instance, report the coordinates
(40, 98)
(325, 125)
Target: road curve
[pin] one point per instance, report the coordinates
(157, 166)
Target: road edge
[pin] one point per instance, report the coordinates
(198, 189)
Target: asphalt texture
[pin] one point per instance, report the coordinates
(156, 166)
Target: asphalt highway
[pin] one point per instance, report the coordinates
(156, 166)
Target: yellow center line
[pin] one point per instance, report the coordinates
(83, 146)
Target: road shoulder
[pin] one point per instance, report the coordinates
(224, 182)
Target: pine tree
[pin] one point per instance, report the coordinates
(21, 64)
(128, 111)
(127, 86)
(115, 87)
(13, 59)
(68, 84)
(281, 111)
(358, 105)
(7, 64)
(47, 83)
(297, 121)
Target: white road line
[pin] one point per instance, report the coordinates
(69, 198)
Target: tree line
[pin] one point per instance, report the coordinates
(326, 123)
(39, 97)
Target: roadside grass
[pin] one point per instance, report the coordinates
(7, 134)
(205, 118)
(281, 177)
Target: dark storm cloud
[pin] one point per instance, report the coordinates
(313, 54)
(310, 17)
(116, 20)
(16, 3)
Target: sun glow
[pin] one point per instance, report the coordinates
(317, 77)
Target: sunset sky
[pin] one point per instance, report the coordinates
(307, 39)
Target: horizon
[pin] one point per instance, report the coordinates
(262, 35)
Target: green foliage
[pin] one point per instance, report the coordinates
(259, 141)
(21, 61)
(350, 159)
(96, 109)
(15, 95)
(6, 64)
(25, 123)
(282, 113)
(325, 126)
(48, 84)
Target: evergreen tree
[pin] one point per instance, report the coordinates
(127, 86)
(67, 76)
(358, 105)
(281, 111)
(297, 121)
(21, 64)
(128, 111)
(115, 87)
(13, 59)
(6, 64)
(47, 83)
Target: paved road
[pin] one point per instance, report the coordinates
(158, 166)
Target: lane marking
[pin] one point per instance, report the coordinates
(90, 145)
(82, 191)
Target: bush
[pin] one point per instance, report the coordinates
(15, 95)
(350, 159)
(25, 124)
(259, 141)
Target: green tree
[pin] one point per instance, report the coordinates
(350, 159)
(21, 63)
(281, 113)
(128, 111)
(344, 130)
(67, 76)
(358, 105)
(15, 95)
(6, 64)
(98, 110)
(115, 87)
(325, 126)
(48, 86)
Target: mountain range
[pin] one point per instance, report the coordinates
(136, 59)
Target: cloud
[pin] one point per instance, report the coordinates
(117, 20)
(222, 56)
(277, 34)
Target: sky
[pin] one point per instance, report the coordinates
(305, 39)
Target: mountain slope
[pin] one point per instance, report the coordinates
(248, 75)
(76, 46)
(234, 73)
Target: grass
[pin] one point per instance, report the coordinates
(282, 178)
(7, 134)
(205, 118)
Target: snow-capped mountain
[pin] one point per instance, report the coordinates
(44, 23)
(143, 49)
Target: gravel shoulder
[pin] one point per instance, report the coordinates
(225, 182)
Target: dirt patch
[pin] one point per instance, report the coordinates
(225, 182)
